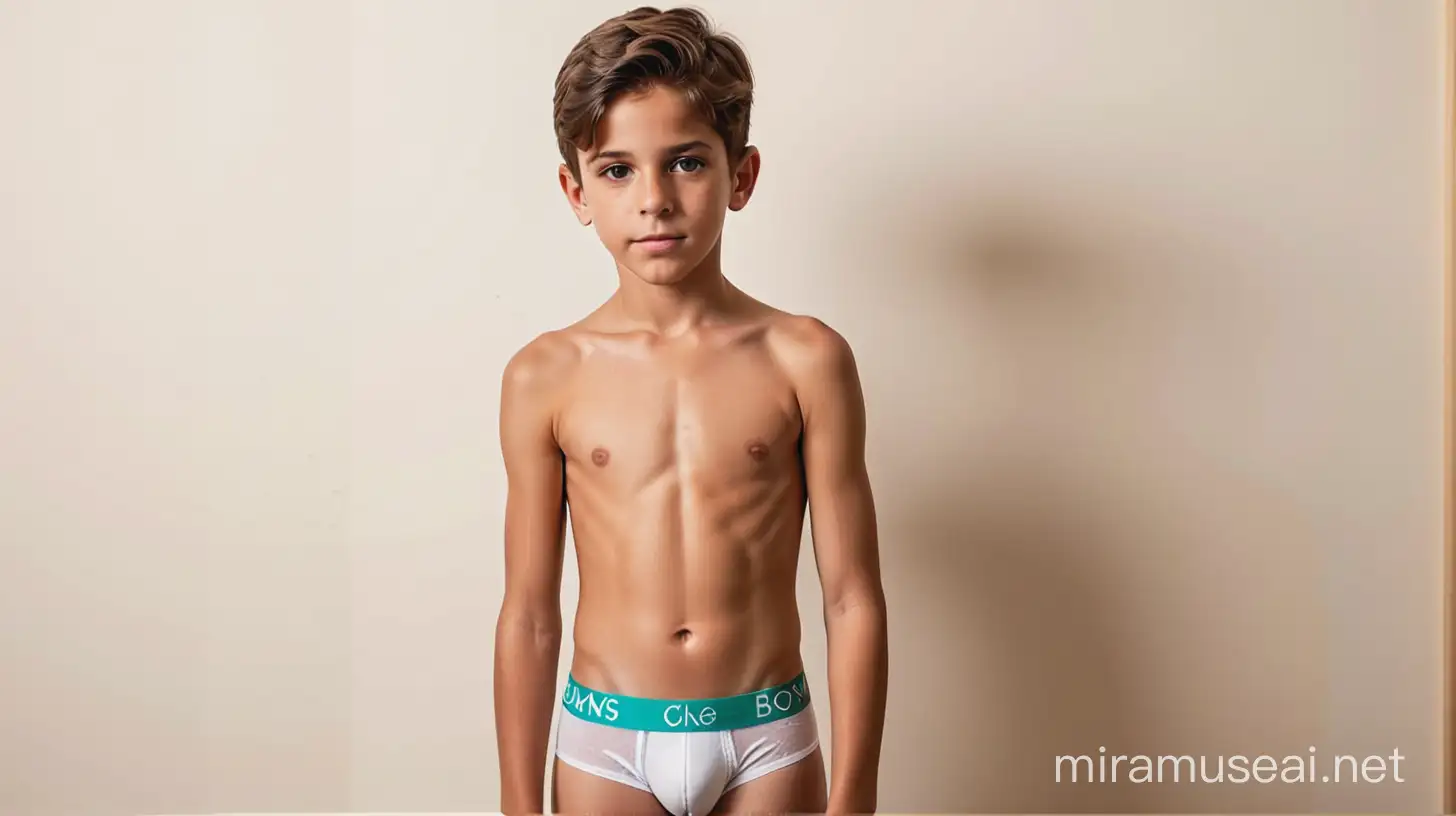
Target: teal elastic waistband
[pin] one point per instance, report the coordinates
(711, 714)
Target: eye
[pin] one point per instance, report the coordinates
(695, 164)
(608, 172)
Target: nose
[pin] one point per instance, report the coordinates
(656, 194)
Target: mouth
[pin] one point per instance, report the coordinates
(660, 243)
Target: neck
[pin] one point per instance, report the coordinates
(680, 307)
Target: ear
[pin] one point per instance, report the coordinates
(744, 178)
(572, 188)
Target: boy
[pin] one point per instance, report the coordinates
(689, 425)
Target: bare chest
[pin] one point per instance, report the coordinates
(713, 420)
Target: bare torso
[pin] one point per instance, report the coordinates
(686, 492)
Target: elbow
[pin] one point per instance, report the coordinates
(864, 601)
(538, 625)
(530, 640)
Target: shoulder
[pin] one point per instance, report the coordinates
(541, 365)
(810, 349)
(820, 366)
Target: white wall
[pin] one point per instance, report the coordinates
(1146, 296)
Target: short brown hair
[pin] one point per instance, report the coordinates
(677, 48)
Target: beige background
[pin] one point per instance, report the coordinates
(1146, 296)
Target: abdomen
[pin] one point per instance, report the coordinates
(689, 593)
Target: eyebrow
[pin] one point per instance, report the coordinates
(624, 154)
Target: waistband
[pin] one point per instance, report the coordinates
(706, 714)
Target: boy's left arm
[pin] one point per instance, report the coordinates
(846, 552)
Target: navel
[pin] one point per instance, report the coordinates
(600, 457)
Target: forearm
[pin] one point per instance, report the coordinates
(526, 654)
(858, 680)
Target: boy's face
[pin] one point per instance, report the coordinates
(657, 185)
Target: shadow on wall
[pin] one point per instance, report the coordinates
(1025, 666)
(1016, 657)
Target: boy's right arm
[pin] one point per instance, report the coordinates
(528, 631)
